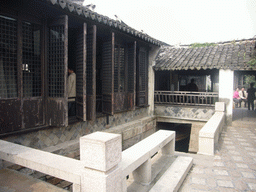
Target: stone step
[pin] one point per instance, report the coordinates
(172, 179)
(11, 180)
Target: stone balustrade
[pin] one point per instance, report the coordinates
(137, 159)
(55, 165)
(209, 134)
(102, 165)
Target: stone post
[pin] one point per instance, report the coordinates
(151, 79)
(226, 78)
(100, 154)
(169, 148)
(143, 173)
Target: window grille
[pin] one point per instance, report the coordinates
(119, 69)
(89, 66)
(131, 68)
(80, 65)
(116, 70)
(142, 71)
(122, 69)
(56, 61)
(8, 57)
(31, 60)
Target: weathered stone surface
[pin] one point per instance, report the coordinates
(94, 180)
(183, 112)
(174, 175)
(11, 180)
(51, 137)
(100, 151)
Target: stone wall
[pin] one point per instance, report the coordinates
(45, 138)
(197, 116)
(184, 112)
(135, 131)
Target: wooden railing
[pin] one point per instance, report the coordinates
(186, 98)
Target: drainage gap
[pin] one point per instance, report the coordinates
(182, 134)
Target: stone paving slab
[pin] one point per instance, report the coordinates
(233, 167)
(13, 181)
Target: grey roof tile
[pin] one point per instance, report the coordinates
(84, 12)
(228, 55)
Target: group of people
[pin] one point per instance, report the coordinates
(247, 96)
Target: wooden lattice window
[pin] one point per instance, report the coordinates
(56, 61)
(31, 60)
(8, 57)
(119, 69)
(142, 77)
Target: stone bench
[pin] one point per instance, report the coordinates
(137, 159)
(209, 134)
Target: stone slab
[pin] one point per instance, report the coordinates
(11, 181)
(101, 151)
(174, 175)
(220, 107)
(136, 155)
(55, 165)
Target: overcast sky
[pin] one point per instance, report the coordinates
(185, 21)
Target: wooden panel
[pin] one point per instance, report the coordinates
(81, 74)
(55, 114)
(10, 115)
(91, 73)
(142, 77)
(131, 76)
(33, 113)
(130, 101)
(57, 105)
(108, 77)
(120, 103)
(90, 107)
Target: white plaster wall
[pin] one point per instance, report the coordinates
(226, 81)
(151, 79)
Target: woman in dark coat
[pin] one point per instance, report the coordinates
(251, 96)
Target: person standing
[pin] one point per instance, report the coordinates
(192, 86)
(236, 98)
(71, 92)
(251, 96)
(243, 96)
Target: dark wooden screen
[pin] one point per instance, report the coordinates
(142, 77)
(57, 107)
(108, 76)
(131, 76)
(10, 110)
(33, 110)
(120, 78)
(91, 73)
(81, 74)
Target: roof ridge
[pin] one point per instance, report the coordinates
(89, 14)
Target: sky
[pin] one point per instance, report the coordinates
(185, 21)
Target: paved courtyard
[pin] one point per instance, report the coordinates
(233, 167)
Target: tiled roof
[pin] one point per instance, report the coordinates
(88, 14)
(228, 55)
